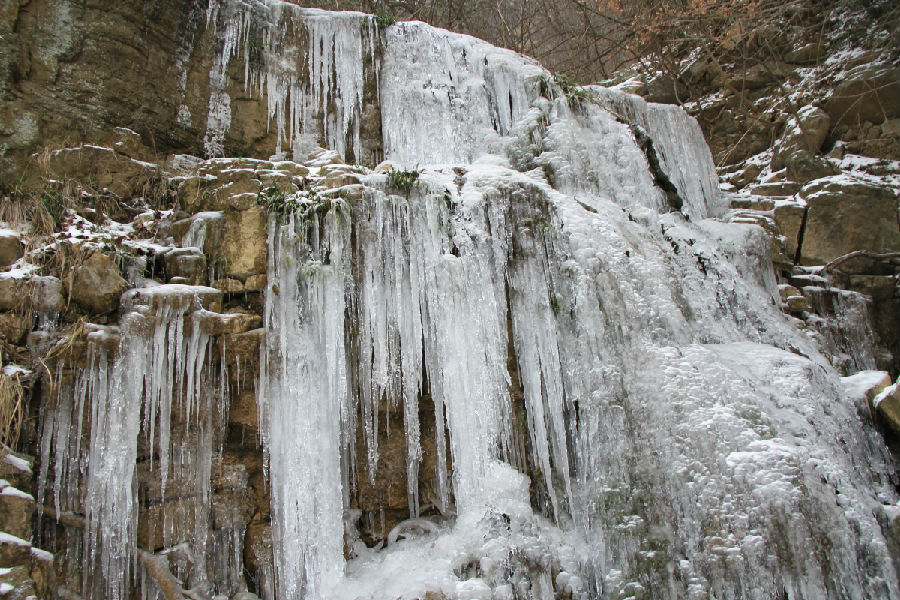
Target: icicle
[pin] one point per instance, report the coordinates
(303, 388)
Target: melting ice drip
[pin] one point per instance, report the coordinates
(311, 65)
(158, 370)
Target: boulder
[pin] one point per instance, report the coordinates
(13, 291)
(14, 551)
(99, 167)
(808, 133)
(868, 93)
(665, 90)
(11, 249)
(846, 215)
(16, 508)
(97, 285)
(756, 77)
(14, 468)
(803, 166)
(887, 407)
(705, 72)
(809, 54)
(47, 294)
(789, 220)
(42, 294)
(128, 142)
(244, 247)
(776, 189)
(797, 304)
(186, 263)
(13, 327)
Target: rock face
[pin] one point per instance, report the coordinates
(309, 362)
(57, 52)
(97, 285)
(152, 69)
(845, 216)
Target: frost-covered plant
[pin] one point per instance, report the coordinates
(384, 19)
(403, 180)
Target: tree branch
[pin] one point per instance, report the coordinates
(856, 254)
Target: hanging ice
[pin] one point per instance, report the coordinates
(311, 66)
(157, 370)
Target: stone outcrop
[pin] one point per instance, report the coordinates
(97, 285)
(844, 216)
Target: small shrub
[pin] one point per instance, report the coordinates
(384, 19)
(402, 180)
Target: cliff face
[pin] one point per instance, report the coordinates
(550, 363)
(71, 71)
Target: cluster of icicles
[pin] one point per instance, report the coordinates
(675, 437)
(150, 394)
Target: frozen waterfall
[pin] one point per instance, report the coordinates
(680, 438)
(615, 405)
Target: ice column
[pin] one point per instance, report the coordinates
(303, 399)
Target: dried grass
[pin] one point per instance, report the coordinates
(12, 409)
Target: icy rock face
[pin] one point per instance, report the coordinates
(303, 61)
(682, 439)
(147, 377)
(678, 432)
(619, 409)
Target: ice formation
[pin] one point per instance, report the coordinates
(147, 377)
(680, 435)
(619, 408)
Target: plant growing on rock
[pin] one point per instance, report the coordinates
(276, 201)
(403, 180)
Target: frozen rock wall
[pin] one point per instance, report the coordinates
(519, 359)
